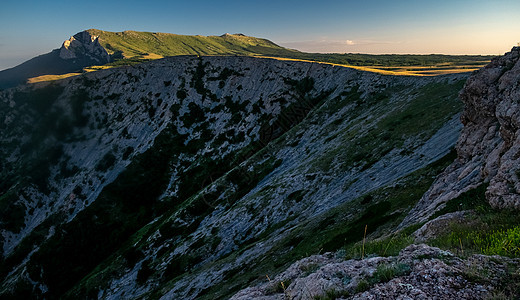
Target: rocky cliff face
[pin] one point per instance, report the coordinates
(84, 45)
(186, 177)
(488, 148)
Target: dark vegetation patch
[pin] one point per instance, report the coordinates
(296, 196)
(181, 94)
(127, 152)
(114, 96)
(12, 212)
(196, 115)
(144, 273)
(38, 117)
(225, 74)
(180, 264)
(106, 162)
(235, 107)
(197, 80)
(301, 87)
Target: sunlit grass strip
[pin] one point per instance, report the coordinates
(369, 69)
(44, 78)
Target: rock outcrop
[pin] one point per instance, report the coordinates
(84, 45)
(418, 272)
(489, 145)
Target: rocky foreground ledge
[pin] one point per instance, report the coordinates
(418, 272)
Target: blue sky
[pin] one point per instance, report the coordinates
(30, 28)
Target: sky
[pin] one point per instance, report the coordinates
(31, 28)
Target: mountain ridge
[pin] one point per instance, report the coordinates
(97, 47)
(131, 43)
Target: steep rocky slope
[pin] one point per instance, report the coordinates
(485, 173)
(188, 177)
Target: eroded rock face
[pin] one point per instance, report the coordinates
(84, 45)
(489, 145)
(504, 188)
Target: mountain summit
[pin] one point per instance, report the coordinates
(83, 44)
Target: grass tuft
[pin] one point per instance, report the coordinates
(386, 272)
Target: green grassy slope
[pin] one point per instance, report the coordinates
(129, 44)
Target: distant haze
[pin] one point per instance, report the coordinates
(30, 28)
(493, 44)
